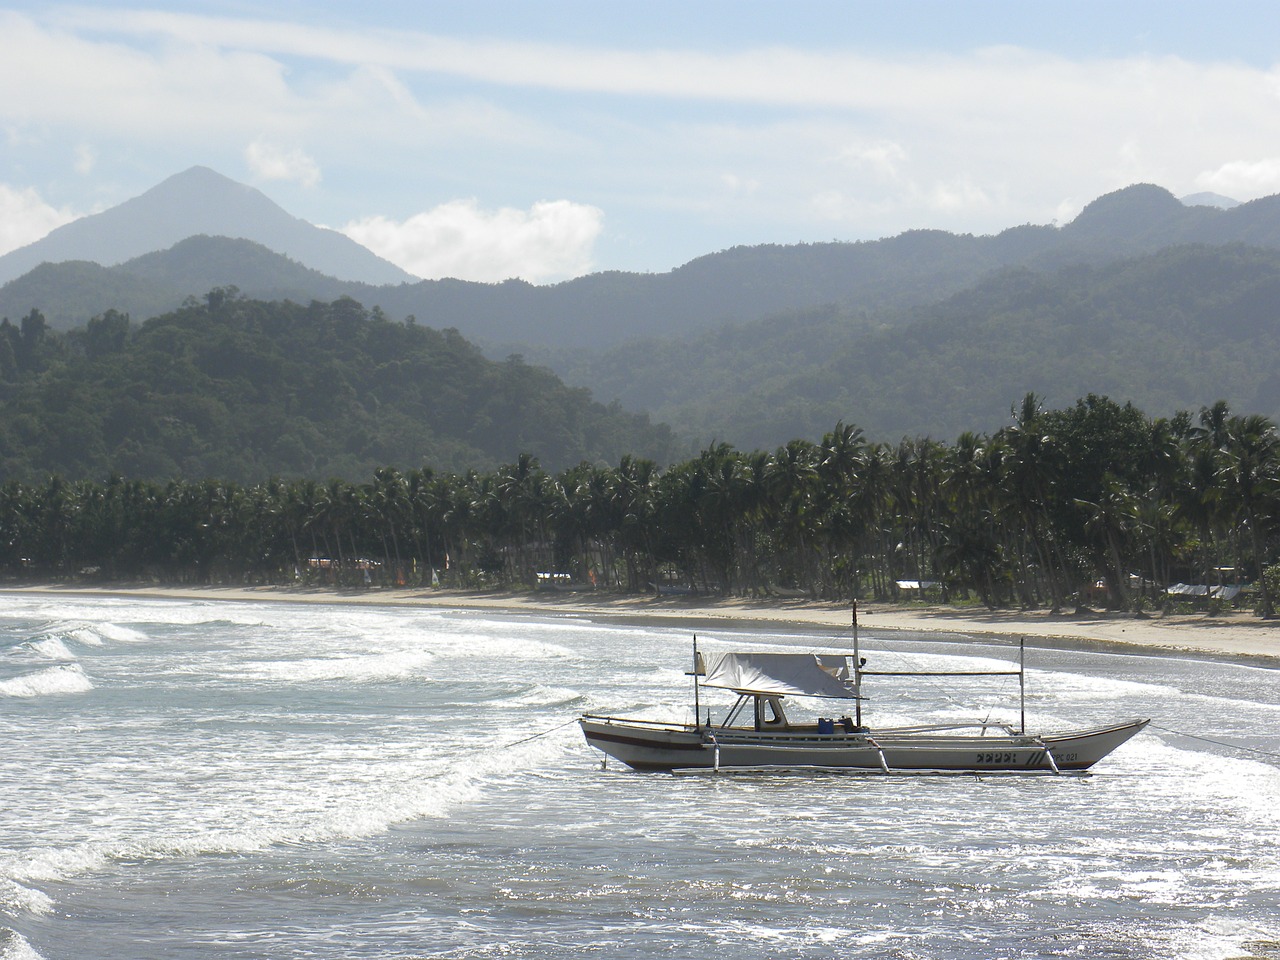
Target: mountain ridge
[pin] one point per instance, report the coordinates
(601, 310)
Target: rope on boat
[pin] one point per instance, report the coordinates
(536, 736)
(1217, 743)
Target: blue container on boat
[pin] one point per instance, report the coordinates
(826, 725)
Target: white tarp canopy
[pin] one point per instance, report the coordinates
(1203, 590)
(798, 674)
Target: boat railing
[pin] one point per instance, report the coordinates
(983, 725)
(647, 723)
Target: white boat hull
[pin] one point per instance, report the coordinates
(657, 746)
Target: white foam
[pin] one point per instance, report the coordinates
(83, 634)
(540, 696)
(388, 666)
(411, 789)
(14, 947)
(1221, 939)
(15, 898)
(51, 648)
(484, 645)
(64, 678)
(89, 634)
(119, 634)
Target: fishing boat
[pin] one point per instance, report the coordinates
(756, 733)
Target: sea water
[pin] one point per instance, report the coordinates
(240, 780)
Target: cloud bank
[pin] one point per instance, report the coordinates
(552, 240)
(270, 162)
(25, 218)
(688, 150)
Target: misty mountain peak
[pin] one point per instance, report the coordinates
(199, 201)
(1138, 217)
(1209, 199)
(1141, 201)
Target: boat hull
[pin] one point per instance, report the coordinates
(668, 747)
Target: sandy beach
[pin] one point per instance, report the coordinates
(1231, 635)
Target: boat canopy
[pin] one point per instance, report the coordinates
(797, 674)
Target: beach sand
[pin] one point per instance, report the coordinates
(1230, 635)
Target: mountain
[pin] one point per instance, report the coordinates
(200, 201)
(737, 286)
(1209, 200)
(68, 294)
(759, 345)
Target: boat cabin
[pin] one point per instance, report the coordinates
(768, 715)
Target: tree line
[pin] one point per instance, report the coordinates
(1094, 502)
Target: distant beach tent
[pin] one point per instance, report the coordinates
(917, 584)
(1203, 590)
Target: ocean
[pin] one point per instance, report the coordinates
(276, 780)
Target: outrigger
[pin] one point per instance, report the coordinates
(757, 734)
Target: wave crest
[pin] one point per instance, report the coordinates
(64, 678)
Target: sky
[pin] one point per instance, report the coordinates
(545, 140)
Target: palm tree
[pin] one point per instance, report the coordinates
(1250, 470)
(1111, 521)
(634, 496)
(793, 485)
(388, 500)
(1030, 472)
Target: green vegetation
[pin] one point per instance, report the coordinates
(1093, 503)
(1171, 331)
(243, 389)
(1139, 298)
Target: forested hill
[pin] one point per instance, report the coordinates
(243, 389)
(1175, 330)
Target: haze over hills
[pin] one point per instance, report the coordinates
(1173, 330)
(603, 310)
(196, 201)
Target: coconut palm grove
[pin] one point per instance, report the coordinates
(1095, 504)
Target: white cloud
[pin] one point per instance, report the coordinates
(270, 162)
(552, 240)
(1246, 178)
(883, 158)
(25, 218)
(739, 185)
(873, 142)
(85, 159)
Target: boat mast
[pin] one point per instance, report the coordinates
(857, 668)
(697, 706)
(1022, 683)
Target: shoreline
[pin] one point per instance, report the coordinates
(1234, 635)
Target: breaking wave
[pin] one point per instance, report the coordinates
(64, 678)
